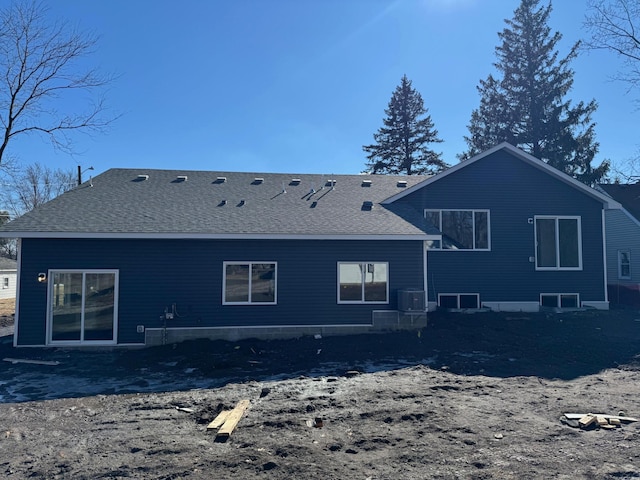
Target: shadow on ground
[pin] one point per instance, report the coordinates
(552, 345)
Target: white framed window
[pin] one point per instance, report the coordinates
(558, 243)
(624, 264)
(363, 282)
(560, 300)
(459, 300)
(249, 283)
(461, 229)
(5, 282)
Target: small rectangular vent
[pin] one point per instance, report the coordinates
(221, 180)
(257, 181)
(367, 205)
(366, 183)
(295, 181)
(181, 178)
(330, 183)
(402, 183)
(142, 178)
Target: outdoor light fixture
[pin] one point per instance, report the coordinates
(42, 277)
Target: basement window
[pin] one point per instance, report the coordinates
(559, 300)
(459, 301)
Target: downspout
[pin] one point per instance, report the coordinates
(604, 258)
(18, 289)
(425, 277)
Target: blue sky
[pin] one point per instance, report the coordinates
(298, 86)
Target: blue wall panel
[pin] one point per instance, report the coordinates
(514, 192)
(155, 274)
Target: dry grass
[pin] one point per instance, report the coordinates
(7, 307)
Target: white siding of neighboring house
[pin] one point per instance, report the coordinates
(10, 290)
(623, 233)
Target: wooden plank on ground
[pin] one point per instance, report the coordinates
(587, 420)
(232, 420)
(219, 420)
(578, 416)
(34, 362)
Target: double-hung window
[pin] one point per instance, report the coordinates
(461, 229)
(363, 282)
(624, 265)
(249, 283)
(5, 282)
(558, 243)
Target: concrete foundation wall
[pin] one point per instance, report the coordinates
(382, 321)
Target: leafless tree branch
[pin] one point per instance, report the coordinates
(41, 63)
(614, 25)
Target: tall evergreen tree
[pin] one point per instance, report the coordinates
(402, 143)
(527, 106)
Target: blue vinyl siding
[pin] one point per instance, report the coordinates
(514, 192)
(155, 274)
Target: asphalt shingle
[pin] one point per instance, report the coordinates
(124, 201)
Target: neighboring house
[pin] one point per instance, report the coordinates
(8, 276)
(623, 244)
(139, 256)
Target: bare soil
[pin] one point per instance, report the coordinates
(469, 397)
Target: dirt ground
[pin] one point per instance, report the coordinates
(469, 397)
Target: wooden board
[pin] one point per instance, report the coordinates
(35, 362)
(586, 420)
(578, 416)
(232, 420)
(219, 420)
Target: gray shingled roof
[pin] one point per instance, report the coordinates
(120, 204)
(627, 194)
(8, 264)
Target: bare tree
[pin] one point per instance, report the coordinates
(34, 185)
(614, 25)
(41, 64)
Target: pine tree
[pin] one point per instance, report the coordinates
(402, 143)
(527, 106)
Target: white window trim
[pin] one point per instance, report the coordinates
(116, 295)
(361, 302)
(473, 210)
(250, 264)
(557, 239)
(620, 276)
(559, 295)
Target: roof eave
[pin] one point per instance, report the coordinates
(217, 236)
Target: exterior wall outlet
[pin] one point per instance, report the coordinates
(140, 329)
(169, 316)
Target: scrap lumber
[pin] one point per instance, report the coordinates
(578, 416)
(219, 420)
(586, 420)
(227, 420)
(34, 362)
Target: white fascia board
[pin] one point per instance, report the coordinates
(522, 155)
(207, 236)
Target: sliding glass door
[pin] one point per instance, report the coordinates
(83, 306)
